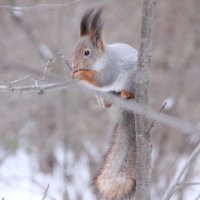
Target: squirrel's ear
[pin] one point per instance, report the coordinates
(96, 29)
(85, 22)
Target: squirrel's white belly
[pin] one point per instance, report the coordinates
(119, 83)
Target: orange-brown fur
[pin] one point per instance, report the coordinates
(88, 76)
(116, 178)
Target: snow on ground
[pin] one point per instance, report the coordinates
(15, 178)
(20, 177)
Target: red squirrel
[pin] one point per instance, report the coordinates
(109, 68)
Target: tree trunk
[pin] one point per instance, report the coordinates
(143, 138)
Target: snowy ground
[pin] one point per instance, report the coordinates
(20, 177)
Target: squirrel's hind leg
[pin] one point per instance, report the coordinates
(125, 94)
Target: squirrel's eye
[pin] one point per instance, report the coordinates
(87, 52)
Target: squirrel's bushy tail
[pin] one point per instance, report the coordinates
(116, 178)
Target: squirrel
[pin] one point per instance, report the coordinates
(109, 68)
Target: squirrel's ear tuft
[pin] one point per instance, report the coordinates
(96, 28)
(86, 22)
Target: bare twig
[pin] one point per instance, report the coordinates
(36, 87)
(198, 197)
(152, 123)
(66, 61)
(48, 64)
(180, 173)
(35, 73)
(31, 76)
(181, 185)
(23, 79)
(45, 192)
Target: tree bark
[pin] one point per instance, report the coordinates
(143, 138)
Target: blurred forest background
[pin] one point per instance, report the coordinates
(58, 138)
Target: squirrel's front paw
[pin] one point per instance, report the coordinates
(89, 76)
(76, 73)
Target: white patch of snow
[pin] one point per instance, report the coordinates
(20, 177)
(59, 153)
(170, 101)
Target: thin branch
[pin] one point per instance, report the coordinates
(181, 185)
(23, 79)
(35, 73)
(198, 197)
(26, 77)
(31, 76)
(66, 61)
(48, 64)
(45, 193)
(36, 87)
(179, 174)
(152, 123)
(49, 6)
